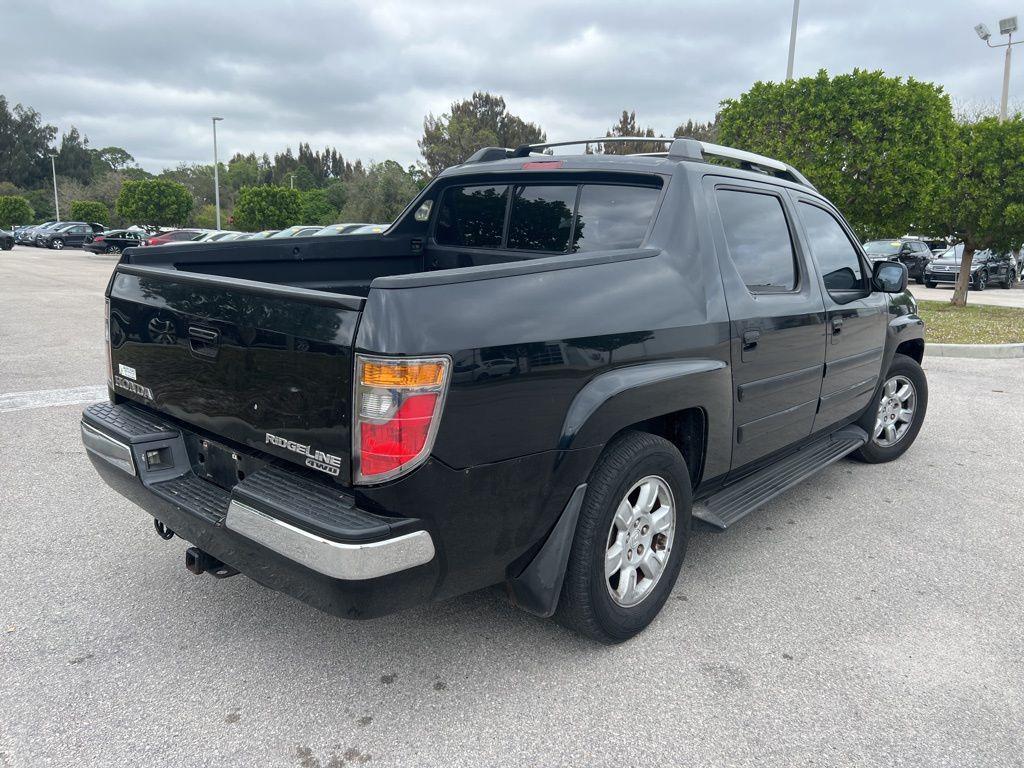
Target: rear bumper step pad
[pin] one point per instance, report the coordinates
(312, 524)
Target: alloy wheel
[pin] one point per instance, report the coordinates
(639, 541)
(895, 411)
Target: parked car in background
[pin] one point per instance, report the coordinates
(114, 240)
(369, 229)
(20, 231)
(986, 267)
(910, 251)
(27, 236)
(173, 236)
(6, 239)
(338, 229)
(299, 230)
(70, 234)
(263, 235)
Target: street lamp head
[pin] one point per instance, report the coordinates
(983, 32)
(1008, 25)
(215, 119)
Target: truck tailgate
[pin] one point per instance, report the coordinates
(262, 365)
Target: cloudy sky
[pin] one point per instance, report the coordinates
(361, 75)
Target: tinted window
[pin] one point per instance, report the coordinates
(837, 259)
(613, 217)
(541, 218)
(472, 217)
(758, 238)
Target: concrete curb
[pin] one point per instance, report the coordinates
(992, 351)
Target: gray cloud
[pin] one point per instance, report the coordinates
(361, 76)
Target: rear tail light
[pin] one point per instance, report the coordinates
(397, 409)
(106, 339)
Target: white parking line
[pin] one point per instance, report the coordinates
(45, 398)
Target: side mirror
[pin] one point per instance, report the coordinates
(889, 277)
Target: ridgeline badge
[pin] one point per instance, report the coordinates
(324, 462)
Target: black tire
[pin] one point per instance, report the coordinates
(57, 244)
(981, 280)
(919, 280)
(8, 245)
(1010, 280)
(930, 285)
(112, 249)
(585, 604)
(873, 453)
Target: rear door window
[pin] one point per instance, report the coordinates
(759, 241)
(611, 217)
(541, 218)
(472, 217)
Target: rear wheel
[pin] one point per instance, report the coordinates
(8, 244)
(1011, 278)
(919, 280)
(981, 280)
(630, 539)
(113, 249)
(897, 412)
(929, 284)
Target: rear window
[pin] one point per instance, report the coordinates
(546, 218)
(612, 217)
(541, 218)
(472, 217)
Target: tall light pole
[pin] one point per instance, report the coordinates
(1007, 27)
(216, 177)
(56, 202)
(792, 40)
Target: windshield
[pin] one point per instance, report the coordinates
(884, 247)
(957, 251)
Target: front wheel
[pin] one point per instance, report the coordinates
(631, 537)
(1011, 278)
(930, 284)
(57, 244)
(897, 412)
(919, 280)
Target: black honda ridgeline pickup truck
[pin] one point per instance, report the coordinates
(535, 376)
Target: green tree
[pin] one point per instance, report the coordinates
(267, 207)
(25, 142)
(115, 158)
(74, 158)
(982, 201)
(206, 217)
(154, 201)
(41, 201)
(14, 210)
(381, 195)
(879, 147)
(317, 208)
(90, 210)
(480, 121)
(628, 126)
(698, 130)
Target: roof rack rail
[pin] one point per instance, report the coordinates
(679, 149)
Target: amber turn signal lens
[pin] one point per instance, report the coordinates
(397, 373)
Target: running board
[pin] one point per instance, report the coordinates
(737, 500)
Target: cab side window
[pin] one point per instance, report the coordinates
(758, 238)
(836, 256)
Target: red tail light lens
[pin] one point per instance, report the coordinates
(398, 404)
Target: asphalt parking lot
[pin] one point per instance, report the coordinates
(871, 616)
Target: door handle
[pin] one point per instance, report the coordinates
(837, 326)
(203, 341)
(750, 339)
